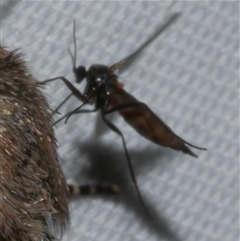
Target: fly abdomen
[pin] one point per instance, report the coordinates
(147, 123)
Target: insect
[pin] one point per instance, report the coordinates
(33, 190)
(106, 93)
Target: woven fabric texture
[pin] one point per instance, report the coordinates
(189, 76)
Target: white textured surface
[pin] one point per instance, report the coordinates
(189, 76)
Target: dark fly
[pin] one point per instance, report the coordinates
(106, 93)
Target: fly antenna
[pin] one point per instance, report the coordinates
(74, 57)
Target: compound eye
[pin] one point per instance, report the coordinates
(80, 73)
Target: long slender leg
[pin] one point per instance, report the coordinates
(116, 130)
(73, 89)
(61, 104)
(77, 112)
(73, 113)
(75, 190)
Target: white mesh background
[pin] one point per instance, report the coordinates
(188, 76)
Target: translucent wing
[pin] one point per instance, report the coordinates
(122, 65)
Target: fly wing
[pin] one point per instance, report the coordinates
(146, 123)
(122, 65)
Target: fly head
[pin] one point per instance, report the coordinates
(100, 81)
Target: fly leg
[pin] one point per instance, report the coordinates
(116, 130)
(71, 87)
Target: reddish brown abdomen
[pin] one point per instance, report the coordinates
(146, 123)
